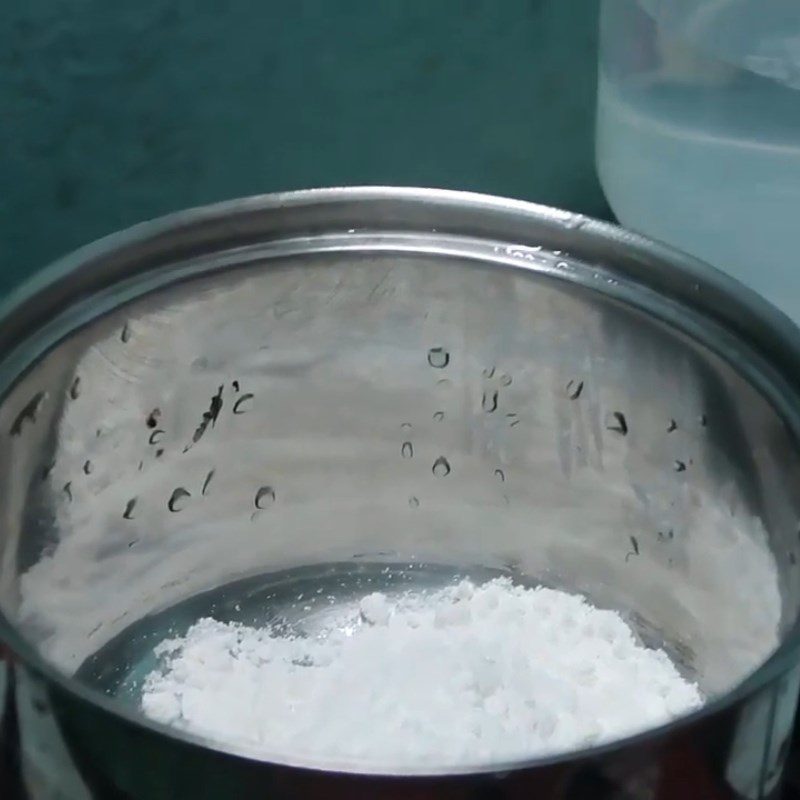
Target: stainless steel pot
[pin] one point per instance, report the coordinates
(207, 411)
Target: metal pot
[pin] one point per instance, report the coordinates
(210, 410)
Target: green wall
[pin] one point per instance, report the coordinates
(114, 112)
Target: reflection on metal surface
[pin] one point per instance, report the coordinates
(48, 772)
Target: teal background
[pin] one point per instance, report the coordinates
(115, 112)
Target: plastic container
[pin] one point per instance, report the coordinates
(698, 136)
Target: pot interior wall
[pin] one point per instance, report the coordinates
(389, 408)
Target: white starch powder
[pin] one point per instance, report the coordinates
(465, 675)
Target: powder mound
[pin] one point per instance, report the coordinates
(465, 675)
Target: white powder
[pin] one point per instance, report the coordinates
(466, 675)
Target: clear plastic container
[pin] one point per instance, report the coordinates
(698, 135)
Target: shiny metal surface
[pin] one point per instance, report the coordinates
(388, 376)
